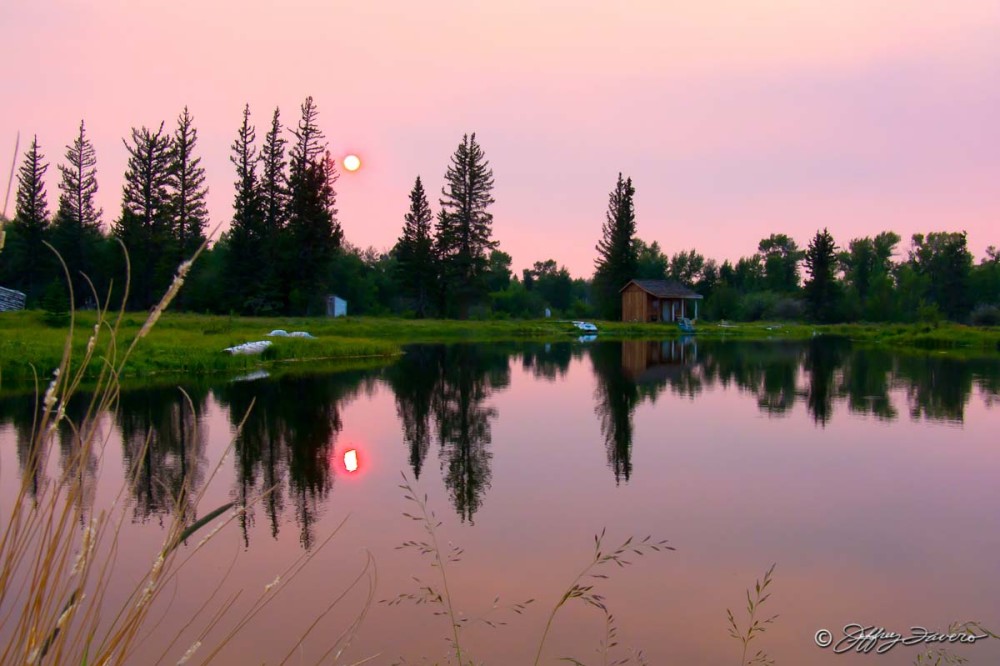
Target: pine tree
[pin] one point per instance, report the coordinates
(617, 259)
(310, 142)
(145, 225)
(822, 289)
(274, 208)
(27, 263)
(273, 180)
(417, 263)
(314, 234)
(187, 201)
(247, 258)
(465, 225)
(76, 230)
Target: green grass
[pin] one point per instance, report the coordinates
(192, 344)
(180, 343)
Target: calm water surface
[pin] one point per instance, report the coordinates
(868, 477)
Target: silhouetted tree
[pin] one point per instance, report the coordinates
(28, 264)
(187, 199)
(944, 259)
(617, 258)
(76, 229)
(686, 267)
(416, 266)
(651, 262)
(781, 258)
(821, 289)
(314, 234)
(248, 254)
(145, 225)
(274, 208)
(465, 225)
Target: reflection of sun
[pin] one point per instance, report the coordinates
(351, 460)
(352, 162)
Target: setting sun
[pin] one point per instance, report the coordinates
(352, 163)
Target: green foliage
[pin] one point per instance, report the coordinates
(986, 315)
(498, 274)
(781, 257)
(553, 284)
(651, 262)
(55, 305)
(944, 259)
(687, 267)
(516, 301)
(617, 259)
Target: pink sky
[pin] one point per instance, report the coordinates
(734, 119)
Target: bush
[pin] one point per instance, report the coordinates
(929, 313)
(758, 305)
(55, 303)
(788, 309)
(986, 315)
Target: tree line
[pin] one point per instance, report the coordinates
(285, 249)
(862, 281)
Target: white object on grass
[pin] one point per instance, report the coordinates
(249, 347)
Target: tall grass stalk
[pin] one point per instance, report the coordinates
(756, 625)
(58, 556)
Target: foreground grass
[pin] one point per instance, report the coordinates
(192, 344)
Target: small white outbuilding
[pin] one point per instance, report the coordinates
(335, 306)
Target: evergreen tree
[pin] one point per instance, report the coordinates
(314, 235)
(76, 230)
(617, 256)
(417, 263)
(465, 225)
(145, 225)
(274, 209)
(273, 180)
(187, 201)
(822, 289)
(247, 259)
(27, 263)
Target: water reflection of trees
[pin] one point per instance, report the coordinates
(285, 450)
(443, 394)
(444, 390)
(163, 445)
(820, 373)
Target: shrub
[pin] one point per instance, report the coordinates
(986, 315)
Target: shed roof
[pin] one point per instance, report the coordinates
(663, 289)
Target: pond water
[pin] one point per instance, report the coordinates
(869, 478)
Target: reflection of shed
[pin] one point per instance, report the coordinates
(650, 360)
(658, 300)
(336, 306)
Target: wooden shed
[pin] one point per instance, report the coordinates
(658, 300)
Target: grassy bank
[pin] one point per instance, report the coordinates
(180, 343)
(192, 344)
